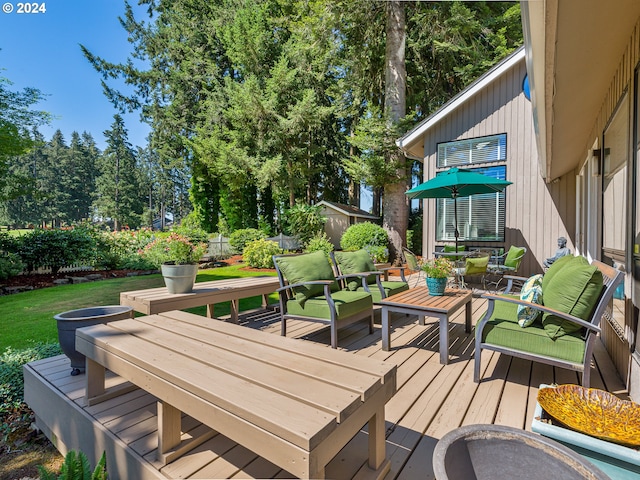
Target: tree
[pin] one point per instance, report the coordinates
(118, 193)
(16, 120)
(395, 211)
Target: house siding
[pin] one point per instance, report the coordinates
(536, 213)
(618, 341)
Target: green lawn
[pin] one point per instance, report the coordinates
(27, 318)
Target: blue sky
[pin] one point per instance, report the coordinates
(41, 50)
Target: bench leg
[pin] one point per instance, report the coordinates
(95, 379)
(235, 309)
(210, 310)
(377, 447)
(169, 428)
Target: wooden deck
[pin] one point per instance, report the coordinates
(431, 400)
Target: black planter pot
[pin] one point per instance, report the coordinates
(69, 321)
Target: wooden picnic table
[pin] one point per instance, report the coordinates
(417, 301)
(294, 403)
(157, 300)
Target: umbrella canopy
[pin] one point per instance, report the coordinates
(454, 183)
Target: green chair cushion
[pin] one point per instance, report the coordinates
(452, 248)
(503, 330)
(306, 268)
(355, 262)
(531, 292)
(476, 266)
(555, 268)
(514, 256)
(347, 304)
(390, 288)
(574, 289)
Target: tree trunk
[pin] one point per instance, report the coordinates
(395, 208)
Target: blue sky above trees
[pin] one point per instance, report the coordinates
(41, 50)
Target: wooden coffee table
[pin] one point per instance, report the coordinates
(417, 301)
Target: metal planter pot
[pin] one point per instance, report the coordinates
(499, 453)
(179, 278)
(69, 321)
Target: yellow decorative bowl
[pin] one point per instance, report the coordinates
(594, 412)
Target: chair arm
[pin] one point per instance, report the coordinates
(542, 308)
(363, 277)
(402, 268)
(511, 279)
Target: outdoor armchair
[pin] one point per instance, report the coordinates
(350, 266)
(309, 290)
(507, 263)
(473, 266)
(575, 295)
(413, 265)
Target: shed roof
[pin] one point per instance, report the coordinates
(348, 210)
(412, 143)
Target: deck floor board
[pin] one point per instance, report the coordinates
(431, 399)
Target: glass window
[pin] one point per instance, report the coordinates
(480, 217)
(474, 150)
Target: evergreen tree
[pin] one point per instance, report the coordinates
(16, 120)
(119, 198)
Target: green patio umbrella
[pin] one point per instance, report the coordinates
(454, 183)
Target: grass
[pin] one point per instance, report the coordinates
(27, 318)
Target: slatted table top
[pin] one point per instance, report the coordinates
(157, 300)
(419, 298)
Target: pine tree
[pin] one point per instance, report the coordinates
(119, 197)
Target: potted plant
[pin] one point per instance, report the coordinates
(437, 271)
(178, 257)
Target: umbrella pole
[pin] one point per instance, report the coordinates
(455, 219)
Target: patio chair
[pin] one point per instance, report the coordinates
(473, 267)
(309, 290)
(561, 331)
(413, 265)
(350, 266)
(507, 263)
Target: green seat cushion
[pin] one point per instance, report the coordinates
(503, 330)
(514, 256)
(531, 292)
(476, 266)
(347, 304)
(555, 268)
(574, 289)
(390, 288)
(306, 268)
(452, 248)
(355, 262)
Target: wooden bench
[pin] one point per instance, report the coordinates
(157, 300)
(292, 402)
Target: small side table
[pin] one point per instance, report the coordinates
(417, 301)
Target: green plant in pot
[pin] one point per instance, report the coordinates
(178, 257)
(437, 271)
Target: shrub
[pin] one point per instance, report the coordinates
(240, 238)
(9, 243)
(57, 248)
(121, 247)
(76, 467)
(259, 252)
(362, 234)
(11, 380)
(172, 248)
(378, 254)
(192, 232)
(10, 265)
(305, 221)
(319, 242)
